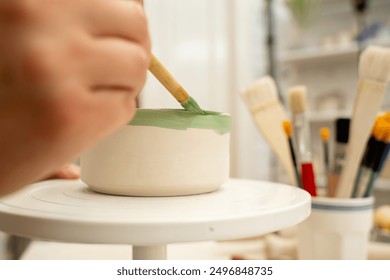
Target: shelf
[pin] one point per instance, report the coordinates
(325, 54)
(327, 115)
(319, 54)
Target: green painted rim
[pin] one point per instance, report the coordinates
(182, 119)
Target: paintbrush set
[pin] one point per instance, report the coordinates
(289, 139)
(374, 72)
(361, 142)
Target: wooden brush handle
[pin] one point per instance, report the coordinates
(167, 80)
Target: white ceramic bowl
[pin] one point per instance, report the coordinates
(161, 153)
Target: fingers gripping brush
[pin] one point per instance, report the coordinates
(374, 72)
(262, 100)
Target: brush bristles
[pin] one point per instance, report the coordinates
(374, 64)
(297, 99)
(378, 119)
(382, 130)
(192, 106)
(386, 116)
(259, 92)
(379, 135)
(287, 128)
(324, 132)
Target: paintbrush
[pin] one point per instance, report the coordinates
(360, 7)
(364, 168)
(170, 83)
(366, 162)
(382, 135)
(297, 103)
(262, 100)
(341, 141)
(386, 117)
(324, 133)
(288, 131)
(374, 70)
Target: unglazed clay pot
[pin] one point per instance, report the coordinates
(163, 152)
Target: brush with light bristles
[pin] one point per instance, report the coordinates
(374, 72)
(297, 102)
(262, 100)
(297, 105)
(288, 131)
(170, 83)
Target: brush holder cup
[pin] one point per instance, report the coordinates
(164, 152)
(337, 229)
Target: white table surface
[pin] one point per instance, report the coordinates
(68, 211)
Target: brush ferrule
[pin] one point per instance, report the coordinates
(301, 135)
(339, 158)
(264, 105)
(372, 86)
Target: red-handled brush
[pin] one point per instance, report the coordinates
(297, 101)
(308, 178)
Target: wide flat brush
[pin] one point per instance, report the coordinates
(374, 71)
(262, 100)
(171, 84)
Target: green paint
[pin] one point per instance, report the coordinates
(182, 119)
(192, 106)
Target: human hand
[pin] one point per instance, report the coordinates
(70, 71)
(68, 171)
